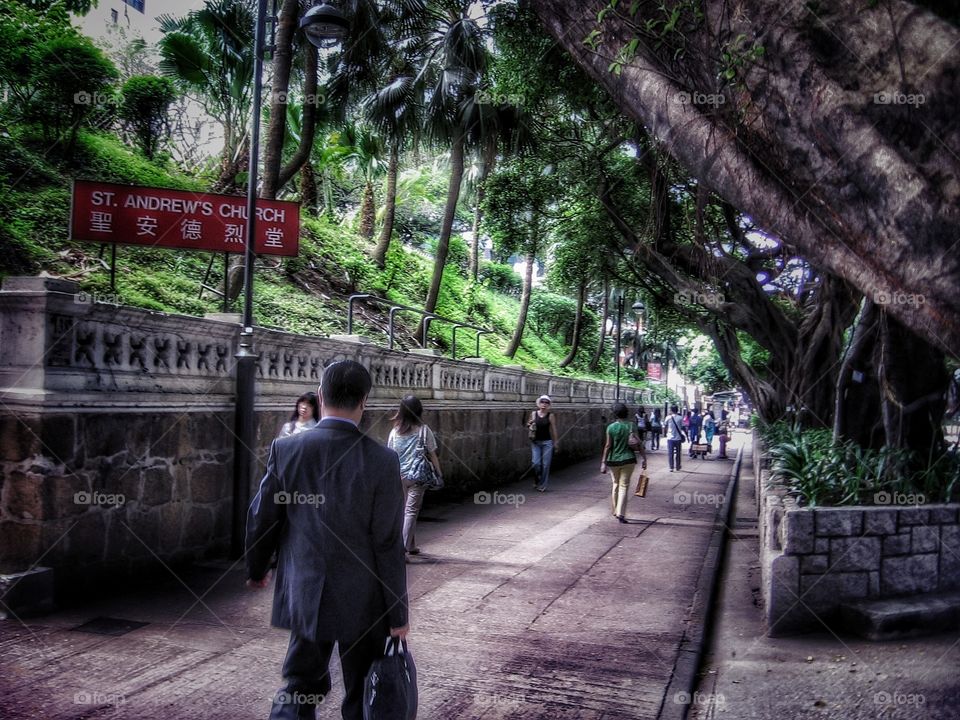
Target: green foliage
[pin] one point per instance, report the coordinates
(145, 103)
(819, 470)
(21, 166)
(552, 314)
(457, 254)
(501, 278)
(707, 369)
(74, 82)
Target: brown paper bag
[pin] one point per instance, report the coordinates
(642, 481)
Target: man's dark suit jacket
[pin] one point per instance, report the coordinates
(341, 568)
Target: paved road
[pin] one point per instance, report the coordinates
(527, 606)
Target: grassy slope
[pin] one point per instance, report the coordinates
(306, 294)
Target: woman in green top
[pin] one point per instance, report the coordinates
(618, 456)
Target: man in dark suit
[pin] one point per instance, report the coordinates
(331, 506)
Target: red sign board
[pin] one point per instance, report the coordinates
(654, 371)
(131, 215)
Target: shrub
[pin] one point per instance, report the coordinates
(144, 105)
(75, 84)
(819, 470)
(501, 278)
(552, 314)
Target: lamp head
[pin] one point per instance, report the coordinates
(324, 25)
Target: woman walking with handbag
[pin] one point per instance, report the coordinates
(416, 446)
(621, 459)
(543, 441)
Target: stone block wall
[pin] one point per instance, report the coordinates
(116, 426)
(813, 560)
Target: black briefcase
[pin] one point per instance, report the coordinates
(390, 688)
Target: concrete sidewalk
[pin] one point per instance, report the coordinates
(524, 605)
(748, 676)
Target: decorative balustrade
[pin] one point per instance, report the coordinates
(55, 343)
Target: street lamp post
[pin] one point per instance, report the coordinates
(617, 356)
(323, 26)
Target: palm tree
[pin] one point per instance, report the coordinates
(455, 64)
(395, 112)
(366, 155)
(209, 54)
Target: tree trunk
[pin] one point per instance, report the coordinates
(577, 325)
(913, 388)
(524, 305)
(308, 122)
(233, 161)
(279, 86)
(449, 212)
(327, 183)
(898, 396)
(308, 188)
(598, 353)
(851, 380)
(489, 162)
(389, 209)
(367, 212)
(798, 140)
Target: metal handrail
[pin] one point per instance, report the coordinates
(428, 317)
(350, 300)
(453, 345)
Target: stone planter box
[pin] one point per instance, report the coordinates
(813, 560)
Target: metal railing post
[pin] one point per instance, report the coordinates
(350, 300)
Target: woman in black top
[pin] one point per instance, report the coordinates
(543, 441)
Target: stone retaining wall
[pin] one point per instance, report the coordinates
(116, 425)
(815, 559)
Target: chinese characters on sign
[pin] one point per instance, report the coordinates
(129, 215)
(654, 371)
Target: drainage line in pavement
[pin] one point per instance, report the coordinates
(693, 643)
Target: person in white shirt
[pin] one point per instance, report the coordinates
(673, 431)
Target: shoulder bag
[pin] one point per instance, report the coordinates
(422, 471)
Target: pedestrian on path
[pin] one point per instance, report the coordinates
(656, 426)
(543, 441)
(331, 505)
(408, 428)
(675, 437)
(305, 416)
(621, 459)
(695, 423)
(643, 424)
(709, 428)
